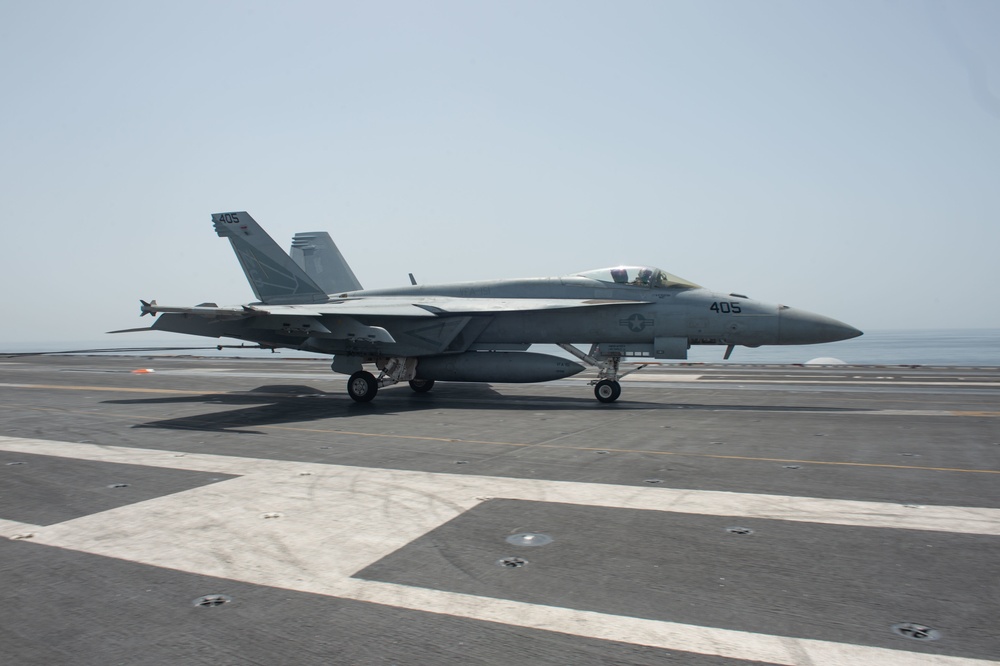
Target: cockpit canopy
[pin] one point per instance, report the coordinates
(638, 276)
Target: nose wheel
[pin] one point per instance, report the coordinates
(607, 390)
(606, 386)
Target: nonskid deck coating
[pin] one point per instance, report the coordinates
(918, 446)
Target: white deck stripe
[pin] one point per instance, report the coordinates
(336, 520)
(462, 488)
(12, 528)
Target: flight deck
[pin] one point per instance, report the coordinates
(164, 510)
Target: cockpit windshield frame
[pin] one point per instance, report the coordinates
(649, 277)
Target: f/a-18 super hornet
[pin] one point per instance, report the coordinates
(477, 331)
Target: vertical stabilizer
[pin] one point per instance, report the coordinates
(272, 274)
(317, 254)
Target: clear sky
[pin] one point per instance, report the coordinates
(842, 157)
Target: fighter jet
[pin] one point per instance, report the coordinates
(478, 331)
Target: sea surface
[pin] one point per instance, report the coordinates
(946, 347)
(949, 347)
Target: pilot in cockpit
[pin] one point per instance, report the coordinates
(643, 278)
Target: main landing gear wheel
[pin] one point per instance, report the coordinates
(421, 385)
(607, 390)
(362, 386)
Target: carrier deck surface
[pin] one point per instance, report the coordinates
(241, 511)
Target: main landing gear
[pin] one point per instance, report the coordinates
(362, 386)
(421, 385)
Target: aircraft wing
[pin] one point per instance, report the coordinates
(359, 307)
(443, 305)
(427, 324)
(389, 306)
(385, 306)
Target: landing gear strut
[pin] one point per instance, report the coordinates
(606, 386)
(362, 386)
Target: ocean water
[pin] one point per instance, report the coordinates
(947, 347)
(958, 347)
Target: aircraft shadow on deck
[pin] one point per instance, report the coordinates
(278, 404)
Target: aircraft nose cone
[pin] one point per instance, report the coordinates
(798, 327)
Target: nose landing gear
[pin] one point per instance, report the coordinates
(607, 390)
(606, 386)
